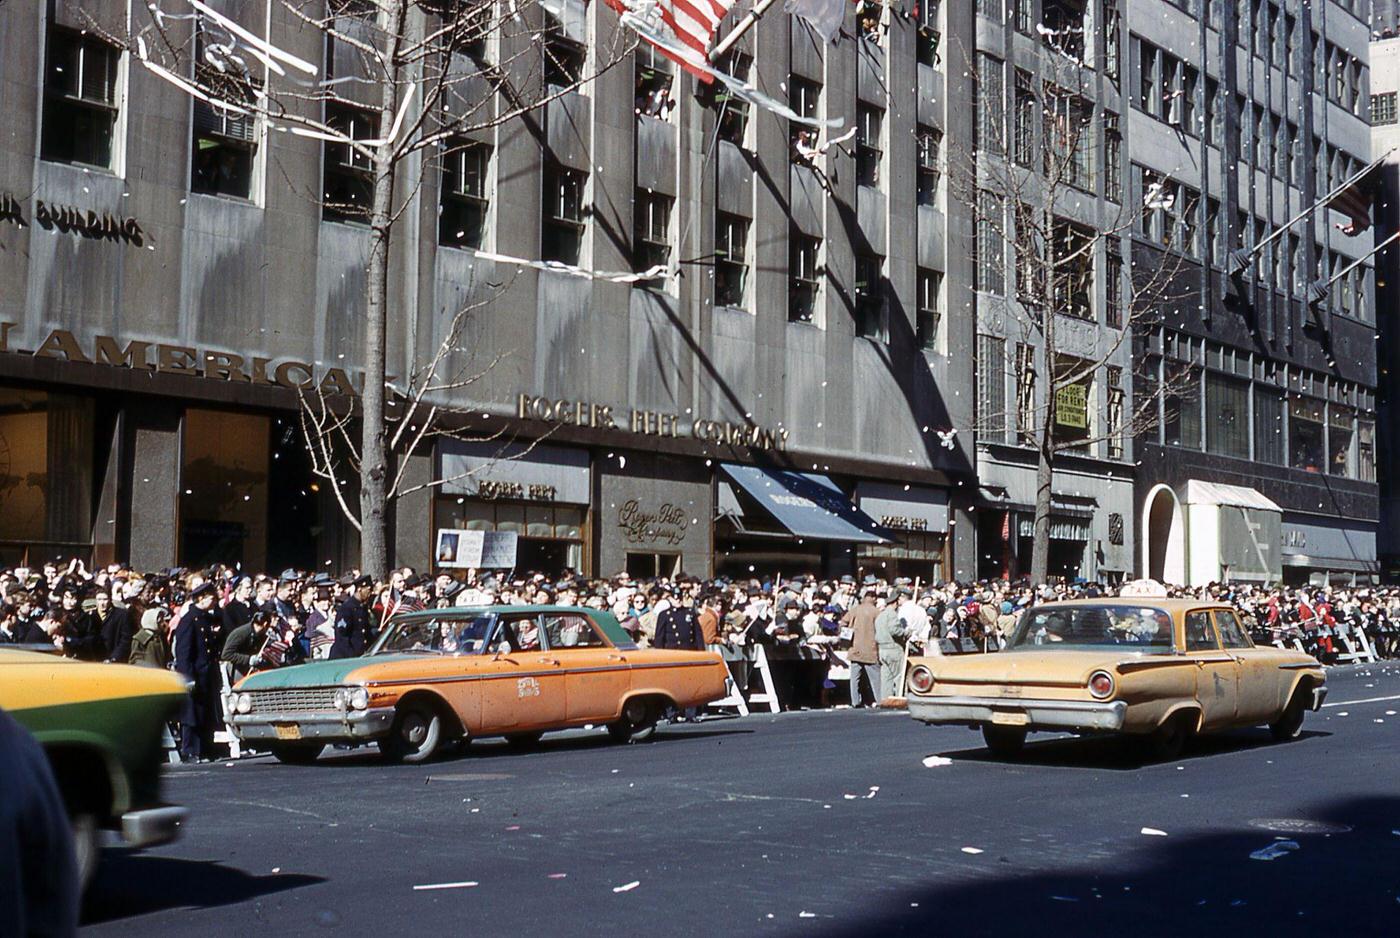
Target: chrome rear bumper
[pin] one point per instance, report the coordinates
(1033, 714)
(1319, 694)
(153, 826)
(322, 725)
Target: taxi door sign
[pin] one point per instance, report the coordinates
(1072, 406)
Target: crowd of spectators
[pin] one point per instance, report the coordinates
(825, 641)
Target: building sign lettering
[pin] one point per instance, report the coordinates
(903, 523)
(499, 488)
(649, 423)
(1295, 538)
(162, 358)
(1072, 406)
(74, 219)
(664, 525)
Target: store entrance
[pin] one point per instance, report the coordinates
(538, 555)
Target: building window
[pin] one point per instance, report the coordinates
(654, 80)
(462, 223)
(1073, 283)
(928, 37)
(869, 123)
(1366, 450)
(1305, 434)
(1069, 139)
(651, 215)
(733, 118)
(1149, 96)
(1182, 401)
(1026, 111)
(1214, 120)
(1064, 26)
(224, 140)
(804, 97)
(930, 144)
(1113, 287)
(80, 99)
(1227, 416)
(731, 259)
(990, 101)
(1112, 18)
(805, 269)
(564, 56)
(348, 185)
(1024, 377)
(991, 9)
(1114, 380)
(1268, 425)
(1383, 108)
(929, 308)
(991, 387)
(1112, 158)
(991, 248)
(870, 296)
(562, 225)
(1341, 423)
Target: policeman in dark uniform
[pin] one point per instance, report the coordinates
(196, 660)
(678, 627)
(353, 631)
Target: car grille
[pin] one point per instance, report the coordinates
(293, 699)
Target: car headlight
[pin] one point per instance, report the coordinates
(359, 698)
(341, 698)
(243, 703)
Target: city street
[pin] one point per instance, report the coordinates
(824, 823)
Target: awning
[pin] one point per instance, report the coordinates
(495, 469)
(904, 507)
(1324, 546)
(1236, 496)
(807, 504)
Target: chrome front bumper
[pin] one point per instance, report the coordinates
(1319, 694)
(152, 826)
(1032, 714)
(322, 725)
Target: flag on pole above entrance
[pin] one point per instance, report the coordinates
(691, 22)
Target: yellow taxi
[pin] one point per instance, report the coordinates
(1163, 669)
(447, 675)
(101, 726)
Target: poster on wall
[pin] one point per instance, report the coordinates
(488, 550)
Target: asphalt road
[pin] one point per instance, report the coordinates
(821, 823)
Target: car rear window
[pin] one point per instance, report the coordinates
(1140, 627)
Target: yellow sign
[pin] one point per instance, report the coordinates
(1072, 406)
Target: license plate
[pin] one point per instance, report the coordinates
(287, 730)
(1010, 719)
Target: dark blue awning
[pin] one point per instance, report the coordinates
(807, 504)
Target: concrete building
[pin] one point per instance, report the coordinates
(1263, 465)
(1385, 136)
(171, 280)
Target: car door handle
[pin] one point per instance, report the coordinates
(617, 657)
(549, 661)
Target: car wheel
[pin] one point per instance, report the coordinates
(296, 753)
(1289, 725)
(415, 735)
(1169, 739)
(1004, 741)
(523, 740)
(87, 847)
(638, 722)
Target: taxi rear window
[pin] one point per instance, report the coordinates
(1140, 627)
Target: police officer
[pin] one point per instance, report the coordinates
(196, 660)
(677, 626)
(353, 631)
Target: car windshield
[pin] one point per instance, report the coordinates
(445, 635)
(1142, 627)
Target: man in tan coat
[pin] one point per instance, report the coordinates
(865, 656)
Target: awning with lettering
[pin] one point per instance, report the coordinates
(1318, 544)
(904, 507)
(807, 504)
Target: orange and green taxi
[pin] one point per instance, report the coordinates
(447, 675)
(1148, 666)
(101, 726)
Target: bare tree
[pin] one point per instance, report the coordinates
(1031, 180)
(402, 86)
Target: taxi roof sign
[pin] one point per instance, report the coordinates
(1144, 588)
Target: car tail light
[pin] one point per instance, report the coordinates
(920, 680)
(1101, 684)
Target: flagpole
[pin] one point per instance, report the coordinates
(743, 26)
(1318, 291)
(1240, 259)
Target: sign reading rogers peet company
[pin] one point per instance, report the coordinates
(162, 358)
(649, 423)
(662, 525)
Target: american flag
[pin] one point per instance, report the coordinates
(274, 651)
(1355, 200)
(692, 23)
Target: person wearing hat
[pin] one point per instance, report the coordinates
(890, 636)
(865, 655)
(353, 631)
(196, 661)
(82, 639)
(148, 646)
(114, 626)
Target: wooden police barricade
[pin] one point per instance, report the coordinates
(733, 696)
(769, 695)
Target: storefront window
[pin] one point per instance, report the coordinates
(1227, 416)
(1183, 406)
(224, 489)
(913, 554)
(551, 536)
(1342, 420)
(46, 472)
(1366, 451)
(1305, 435)
(647, 566)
